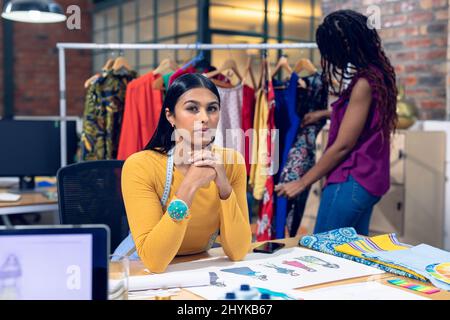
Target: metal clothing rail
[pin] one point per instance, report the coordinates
(150, 46)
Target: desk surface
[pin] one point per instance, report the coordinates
(137, 268)
(28, 199)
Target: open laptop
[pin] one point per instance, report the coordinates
(61, 262)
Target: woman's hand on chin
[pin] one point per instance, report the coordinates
(207, 158)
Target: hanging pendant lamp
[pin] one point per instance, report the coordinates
(39, 11)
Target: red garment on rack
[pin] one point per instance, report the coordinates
(180, 72)
(266, 210)
(141, 115)
(248, 109)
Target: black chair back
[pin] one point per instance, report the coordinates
(90, 193)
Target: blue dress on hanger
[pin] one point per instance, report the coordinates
(288, 122)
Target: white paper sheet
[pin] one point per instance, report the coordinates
(277, 281)
(169, 280)
(360, 291)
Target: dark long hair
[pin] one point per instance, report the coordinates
(161, 140)
(345, 38)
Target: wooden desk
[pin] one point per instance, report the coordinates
(137, 268)
(30, 202)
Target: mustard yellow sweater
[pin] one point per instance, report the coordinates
(157, 237)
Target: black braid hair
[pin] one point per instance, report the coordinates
(346, 41)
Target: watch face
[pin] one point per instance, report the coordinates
(177, 209)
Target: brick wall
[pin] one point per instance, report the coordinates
(36, 75)
(415, 37)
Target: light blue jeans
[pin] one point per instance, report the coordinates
(346, 204)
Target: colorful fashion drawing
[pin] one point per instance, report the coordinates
(246, 271)
(275, 294)
(318, 261)
(299, 265)
(281, 269)
(215, 280)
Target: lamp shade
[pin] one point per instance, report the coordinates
(40, 11)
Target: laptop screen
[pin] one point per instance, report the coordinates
(52, 264)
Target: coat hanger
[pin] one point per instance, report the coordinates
(166, 66)
(89, 81)
(229, 64)
(282, 64)
(110, 62)
(221, 84)
(305, 64)
(120, 63)
(108, 65)
(264, 70)
(249, 71)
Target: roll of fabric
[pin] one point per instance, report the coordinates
(327, 241)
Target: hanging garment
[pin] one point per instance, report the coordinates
(248, 109)
(166, 79)
(327, 241)
(229, 129)
(287, 122)
(103, 112)
(142, 110)
(258, 171)
(180, 72)
(266, 212)
(302, 154)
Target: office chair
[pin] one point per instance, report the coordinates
(90, 193)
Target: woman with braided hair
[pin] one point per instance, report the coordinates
(356, 160)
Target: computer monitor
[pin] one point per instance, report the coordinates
(32, 148)
(61, 262)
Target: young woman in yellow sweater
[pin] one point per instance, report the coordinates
(207, 184)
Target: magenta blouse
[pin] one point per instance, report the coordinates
(368, 162)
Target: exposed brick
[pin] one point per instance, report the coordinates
(417, 67)
(410, 81)
(441, 14)
(437, 54)
(417, 93)
(394, 21)
(421, 60)
(404, 56)
(432, 80)
(418, 17)
(437, 28)
(433, 104)
(397, 45)
(426, 4)
(404, 6)
(36, 65)
(418, 43)
(433, 114)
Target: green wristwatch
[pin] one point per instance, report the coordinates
(178, 209)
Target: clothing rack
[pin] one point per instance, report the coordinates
(62, 46)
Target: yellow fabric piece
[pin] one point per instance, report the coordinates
(258, 171)
(157, 237)
(384, 242)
